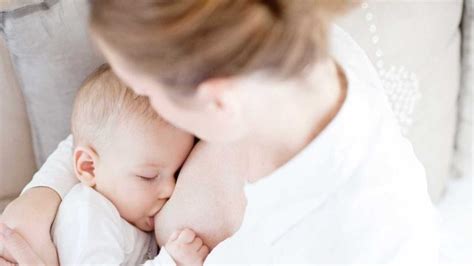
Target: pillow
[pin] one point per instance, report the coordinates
(463, 153)
(52, 55)
(415, 46)
(9, 5)
(16, 156)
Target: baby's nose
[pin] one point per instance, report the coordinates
(166, 188)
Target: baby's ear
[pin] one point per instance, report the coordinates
(85, 159)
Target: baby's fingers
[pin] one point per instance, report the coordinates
(174, 236)
(203, 251)
(196, 244)
(186, 236)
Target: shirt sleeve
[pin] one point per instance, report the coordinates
(163, 258)
(57, 172)
(87, 232)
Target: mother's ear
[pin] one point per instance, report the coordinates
(215, 93)
(85, 160)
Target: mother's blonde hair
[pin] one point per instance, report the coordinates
(184, 42)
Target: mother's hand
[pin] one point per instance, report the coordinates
(17, 248)
(31, 216)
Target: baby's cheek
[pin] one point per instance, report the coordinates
(143, 204)
(122, 199)
(133, 205)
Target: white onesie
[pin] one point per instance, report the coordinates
(89, 230)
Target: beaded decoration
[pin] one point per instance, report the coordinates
(400, 85)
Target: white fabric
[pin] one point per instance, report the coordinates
(57, 172)
(357, 193)
(455, 209)
(89, 230)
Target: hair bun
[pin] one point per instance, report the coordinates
(291, 8)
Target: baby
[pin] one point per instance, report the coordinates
(126, 158)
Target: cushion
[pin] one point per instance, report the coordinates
(415, 47)
(52, 55)
(9, 5)
(17, 158)
(463, 152)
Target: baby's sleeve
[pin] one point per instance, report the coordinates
(163, 258)
(57, 172)
(87, 232)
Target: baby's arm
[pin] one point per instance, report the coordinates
(183, 248)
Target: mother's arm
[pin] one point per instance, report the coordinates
(32, 214)
(208, 197)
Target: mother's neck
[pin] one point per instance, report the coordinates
(292, 116)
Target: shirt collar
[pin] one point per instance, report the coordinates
(304, 182)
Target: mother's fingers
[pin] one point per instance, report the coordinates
(4, 255)
(18, 247)
(4, 262)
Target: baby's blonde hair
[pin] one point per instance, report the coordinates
(102, 103)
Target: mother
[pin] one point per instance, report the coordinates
(300, 159)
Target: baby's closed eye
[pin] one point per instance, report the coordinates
(148, 177)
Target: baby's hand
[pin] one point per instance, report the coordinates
(186, 248)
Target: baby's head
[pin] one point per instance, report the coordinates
(123, 149)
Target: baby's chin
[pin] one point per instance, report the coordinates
(146, 224)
